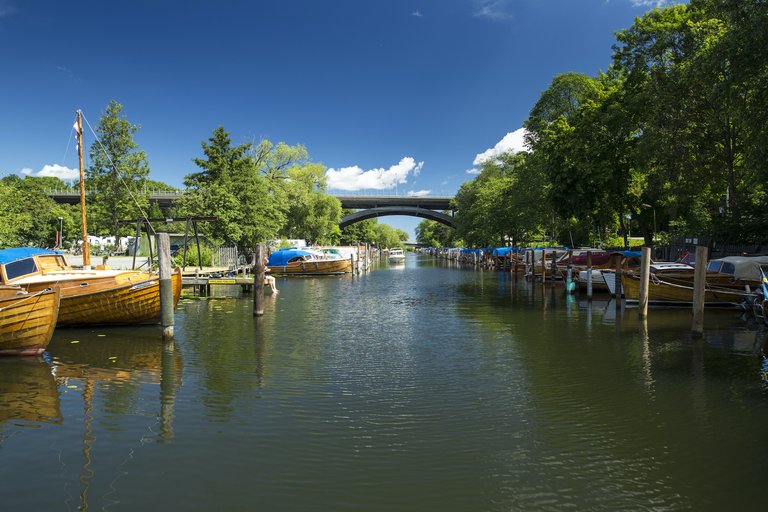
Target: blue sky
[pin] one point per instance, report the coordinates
(397, 96)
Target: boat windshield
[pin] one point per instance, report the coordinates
(20, 268)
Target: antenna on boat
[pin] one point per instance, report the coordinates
(86, 248)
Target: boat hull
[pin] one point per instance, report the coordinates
(320, 267)
(129, 298)
(27, 321)
(661, 292)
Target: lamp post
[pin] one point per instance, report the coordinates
(61, 232)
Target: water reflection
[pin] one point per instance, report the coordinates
(28, 391)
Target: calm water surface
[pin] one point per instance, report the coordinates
(418, 387)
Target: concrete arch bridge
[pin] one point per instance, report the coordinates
(370, 207)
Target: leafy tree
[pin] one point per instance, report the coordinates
(435, 234)
(29, 217)
(359, 232)
(312, 214)
(117, 173)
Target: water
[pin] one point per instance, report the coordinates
(416, 387)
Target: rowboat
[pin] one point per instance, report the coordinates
(88, 297)
(306, 262)
(27, 320)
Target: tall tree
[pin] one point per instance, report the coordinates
(117, 173)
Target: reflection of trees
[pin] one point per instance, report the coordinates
(607, 403)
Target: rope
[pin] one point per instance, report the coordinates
(26, 297)
(117, 172)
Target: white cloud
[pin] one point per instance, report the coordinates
(354, 178)
(473, 170)
(417, 13)
(55, 170)
(496, 10)
(419, 193)
(649, 3)
(512, 142)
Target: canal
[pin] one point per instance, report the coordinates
(415, 387)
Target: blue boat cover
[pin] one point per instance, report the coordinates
(281, 257)
(19, 253)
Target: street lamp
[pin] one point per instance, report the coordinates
(61, 232)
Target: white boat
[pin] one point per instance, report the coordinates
(598, 282)
(396, 255)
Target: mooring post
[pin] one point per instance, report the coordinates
(569, 273)
(352, 262)
(258, 281)
(617, 280)
(589, 275)
(163, 243)
(645, 274)
(543, 266)
(699, 289)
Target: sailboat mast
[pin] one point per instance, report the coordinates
(86, 248)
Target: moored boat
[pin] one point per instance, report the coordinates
(88, 297)
(662, 290)
(396, 256)
(306, 262)
(27, 320)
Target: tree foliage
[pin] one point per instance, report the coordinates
(117, 173)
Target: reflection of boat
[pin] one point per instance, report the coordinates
(27, 320)
(396, 256)
(306, 262)
(88, 297)
(28, 391)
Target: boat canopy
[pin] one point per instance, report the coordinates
(740, 267)
(282, 257)
(19, 253)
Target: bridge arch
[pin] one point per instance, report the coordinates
(382, 211)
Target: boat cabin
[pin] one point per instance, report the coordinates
(18, 263)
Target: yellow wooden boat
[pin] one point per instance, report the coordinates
(663, 290)
(305, 262)
(88, 297)
(27, 320)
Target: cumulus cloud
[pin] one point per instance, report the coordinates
(418, 193)
(496, 10)
(473, 170)
(649, 3)
(513, 142)
(54, 170)
(354, 178)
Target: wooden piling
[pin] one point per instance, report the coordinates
(617, 277)
(163, 243)
(699, 287)
(543, 266)
(258, 281)
(645, 274)
(589, 275)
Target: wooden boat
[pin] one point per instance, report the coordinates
(27, 320)
(663, 291)
(88, 297)
(305, 262)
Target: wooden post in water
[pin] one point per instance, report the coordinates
(163, 242)
(589, 275)
(569, 273)
(258, 281)
(699, 288)
(645, 274)
(543, 266)
(617, 281)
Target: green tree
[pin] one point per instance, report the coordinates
(117, 173)
(312, 215)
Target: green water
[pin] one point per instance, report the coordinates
(416, 387)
